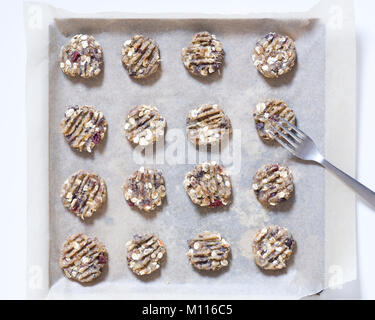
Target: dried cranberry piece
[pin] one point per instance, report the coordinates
(216, 203)
(145, 202)
(270, 36)
(75, 56)
(275, 118)
(220, 169)
(274, 168)
(75, 207)
(200, 174)
(96, 138)
(102, 259)
(131, 204)
(289, 242)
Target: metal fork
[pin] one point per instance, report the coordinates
(303, 147)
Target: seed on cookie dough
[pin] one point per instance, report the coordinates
(140, 56)
(83, 193)
(144, 125)
(145, 189)
(273, 184)
(272, 247)
(83, 127)
(82, 56)
(83, 258)
(208, 251)
(145, 253)
(274, 55)
(204, 55)
(269, 111)
(208, 185)
(207, 124)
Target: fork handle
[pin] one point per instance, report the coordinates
(358, 187)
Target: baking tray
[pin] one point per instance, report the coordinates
(308, 89)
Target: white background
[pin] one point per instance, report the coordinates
(13, 124)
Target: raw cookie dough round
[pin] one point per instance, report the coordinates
(145, 253)
(83, 127)
(208, 185)
(272, 247)
(140, 56)
(83, 258)
(204, 55)
(145, 189)
(208, 251)
(144, 125)
(207, 124)
(273, 184)
(83, 193)
(268, 111)
(82, 56)
(274, 55)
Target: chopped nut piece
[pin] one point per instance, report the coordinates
(273, 184)
(272, 247)
(145, 253)
(205, 189)
(208, 251)
(140, 56)
(274, 55)
(83, 258)
(204, 55)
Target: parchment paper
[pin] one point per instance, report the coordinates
(174, 91)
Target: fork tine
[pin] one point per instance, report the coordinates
(285, 145)
(295, 136)
(294, 127)
(280, 133)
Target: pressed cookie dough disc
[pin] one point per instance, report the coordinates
(83, 193)
(207, 124)
(273, 184)
(145, 189)
(269, 111)
(208, 185)
(82, 56)
(83, 127)
(145, 253)
(274, 55)
(272, 247)
(208, 251)
(144, 125)
(204, 55)
(83, 258)
(140, 56)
